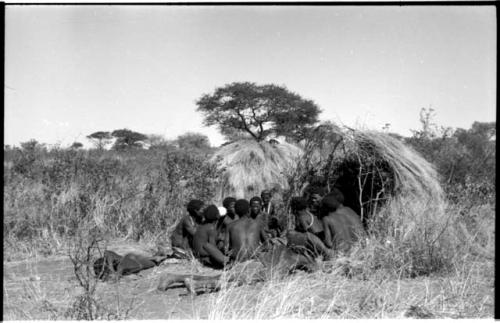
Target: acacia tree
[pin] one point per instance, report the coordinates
(76, 145)
(126, 138)
(100, 139)
(193, 140)
(258, 110)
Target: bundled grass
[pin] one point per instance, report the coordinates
(252, 166)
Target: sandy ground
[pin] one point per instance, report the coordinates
(45, 288)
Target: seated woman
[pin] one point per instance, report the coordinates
(205, 240)
(342, 225)
(182, 236)
(224, 221)
(309, 233)
(246, 236)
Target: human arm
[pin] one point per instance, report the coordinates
(188, 225)
(328, 233)
(212, 237)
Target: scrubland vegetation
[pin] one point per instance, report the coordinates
(425, 257)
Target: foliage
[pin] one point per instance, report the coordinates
(100, 138)
(158, 142)
(193, 142)
(76, 145)
(258, 111)
(126, 139)
(465, 159)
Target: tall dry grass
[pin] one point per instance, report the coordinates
(442, 274)
(127, 195)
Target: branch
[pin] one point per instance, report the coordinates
(246, 126)
(259, 122)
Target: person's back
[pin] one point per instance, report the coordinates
(342, 225)
(244, 238)
(201, 237)
(345, 228)
(226, 220)
(245, 234)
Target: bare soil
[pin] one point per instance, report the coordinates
(46, 288)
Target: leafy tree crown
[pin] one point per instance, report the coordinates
(258, 110)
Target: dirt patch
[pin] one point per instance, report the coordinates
(41, 289)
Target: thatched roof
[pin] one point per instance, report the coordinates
(390, 172)
(253, 166)
(371, 168)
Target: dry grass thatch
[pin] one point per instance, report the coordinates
(412, 173)
(253, 166)
(371, 168)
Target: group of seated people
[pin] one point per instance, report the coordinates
(323, 227)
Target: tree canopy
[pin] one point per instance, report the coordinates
(258, 110)
(193, 140)
(126, 138)
(100, 138)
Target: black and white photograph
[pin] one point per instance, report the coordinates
(257, 161)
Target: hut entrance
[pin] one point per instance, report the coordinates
(366, 185)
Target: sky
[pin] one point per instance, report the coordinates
(73, 70)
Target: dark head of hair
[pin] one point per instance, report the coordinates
(337, 194)
(329, 204)
(211, 213)
(298, 203)
(194, 205)
(242, 207)
(265, 192)
(256, 198)
(316, 190)
(316, 180)
(101, 268)
(227, 201)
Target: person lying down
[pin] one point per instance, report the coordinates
(113, 264)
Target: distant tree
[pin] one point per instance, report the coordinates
(76, 145)
(258, 110)
(31, 145)
(192, 140)
(126, 139)
(464, 159)
(100, 139)
(155, 141)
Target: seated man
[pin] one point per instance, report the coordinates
(314, 196)
(245, 235)
(257, 214)
(308, 232)
(182, 236)
(205, 239)
(113, 263)
(224, 221)
(269, 208)
(342, 225)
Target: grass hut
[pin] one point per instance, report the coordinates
(252, 166)
(373, 169)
